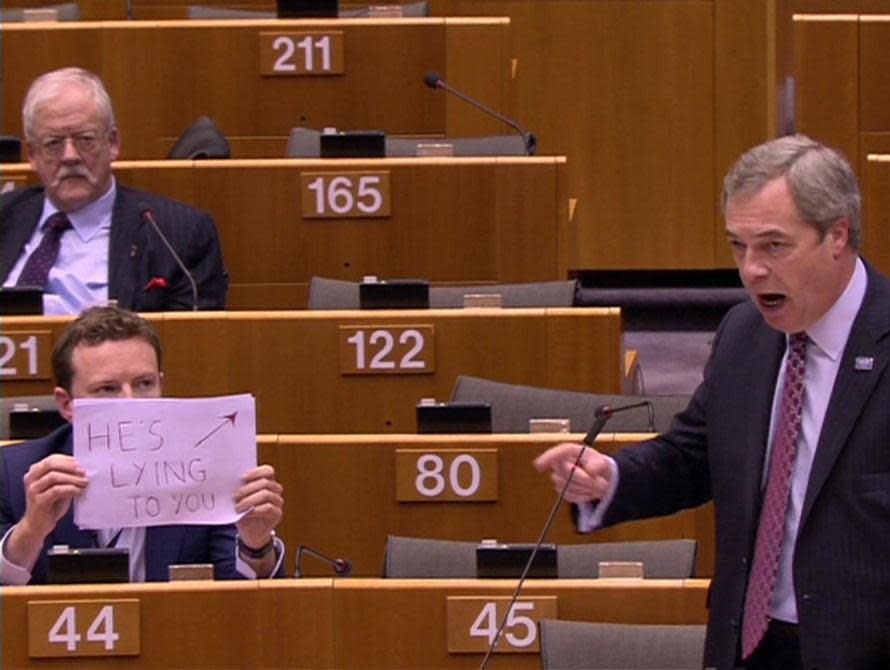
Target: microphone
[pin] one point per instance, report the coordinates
(601, 414)
(148, 215)
(340, 566)
(605, 412)
(434, 81)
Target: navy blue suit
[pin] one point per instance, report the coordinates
(715, 449)
(164, 545)
(136, 255)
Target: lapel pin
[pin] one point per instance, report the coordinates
(864, 363)
(133, 250)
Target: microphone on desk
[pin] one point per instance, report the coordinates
(601, 414)
(340, 566)
(434, 81)
(147, 214)
(604, 412)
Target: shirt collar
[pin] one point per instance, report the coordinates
(89, 219)
(830, 333)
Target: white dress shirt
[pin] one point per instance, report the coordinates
(828, 337)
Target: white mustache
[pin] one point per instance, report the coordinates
(74, 171)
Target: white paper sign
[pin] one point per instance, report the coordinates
(162, 461)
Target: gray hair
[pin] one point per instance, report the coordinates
(821, 180)
(48, 86)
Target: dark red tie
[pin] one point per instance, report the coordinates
(39, 263)
(762, 581)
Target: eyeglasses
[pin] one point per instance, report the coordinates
(84, 143)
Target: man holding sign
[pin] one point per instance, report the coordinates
(111, 353)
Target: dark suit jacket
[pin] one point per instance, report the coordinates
(136, 254)
(715, 449)
(164, 545)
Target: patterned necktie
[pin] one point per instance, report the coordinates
(762, 580)
(39, 263)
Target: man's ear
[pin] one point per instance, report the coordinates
(840, 235)
(114, 143)
(64, 403)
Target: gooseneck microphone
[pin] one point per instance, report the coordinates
(601, 414)
(434, 81)
(604, 412)
(148, 215)
(340, 566)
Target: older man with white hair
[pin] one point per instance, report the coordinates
(83, 238)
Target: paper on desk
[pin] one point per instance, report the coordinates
(162, 461)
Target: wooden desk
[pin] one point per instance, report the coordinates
(651, 102)
(403, 623)
(854, 72)
(193, 625)
(320, 623)
(163, 75)
(291, 361)
(341, 496)
(843, 72)
(458, 220)
(876, 210)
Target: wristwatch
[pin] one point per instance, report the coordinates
(256, 554)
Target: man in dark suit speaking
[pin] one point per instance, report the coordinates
(788, 434)
(85, 239)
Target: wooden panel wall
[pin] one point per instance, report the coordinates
(353, 518)
(843, 72)
(291, 360)
(650, 101)
(458, 220)
(382, 86)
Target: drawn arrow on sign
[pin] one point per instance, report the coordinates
(225, 418)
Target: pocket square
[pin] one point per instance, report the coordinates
(157, 284)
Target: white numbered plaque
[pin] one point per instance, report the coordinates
(446, 475)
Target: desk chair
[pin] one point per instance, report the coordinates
(423, 558)
(513, 405)
(340, 294)
(202, 139)
(306, 143)
(575, 645)
(661, 559)
(420, 558)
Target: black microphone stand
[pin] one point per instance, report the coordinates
(602, 414)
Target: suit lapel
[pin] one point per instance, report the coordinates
(125, 247)
(17, 226)
(853, 387)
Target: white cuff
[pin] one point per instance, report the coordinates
(246, 570)
(590, 515)
(10, 573)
